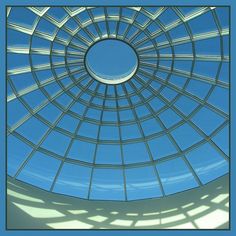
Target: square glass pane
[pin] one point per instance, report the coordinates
(221, 139)
(130, 131)
(185, 105)
(207, 120)
(56, 142)
(150, 126)
(50, 113)
(198, 88)
(83, 151)
(109, 116)
(17, 152)
(69, 123)
(32, 129)
(109, 132)
(169, 118)
(88, 130)
(108, 154)
(15, 112)
(37, 171)
(185, 136)
(161, 147)
(220, 99)
(107, 184)
(73, 180)
(126, 115)
(34, 99)
(207, 163)
(135, 152)
(142, 183)
(175, 176)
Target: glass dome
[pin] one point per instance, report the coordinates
(121, 129)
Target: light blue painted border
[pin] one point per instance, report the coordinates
(3, 4)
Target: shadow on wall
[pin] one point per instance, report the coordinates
(202, 208)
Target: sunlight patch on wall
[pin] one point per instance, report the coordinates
(39, 212)
(143, 223)
(197, 210)
(77, 212)
(220, 217)
(119, 222)
(23, 197)
(98, 218)
(171, 219)
(220, 198)
(73, 224)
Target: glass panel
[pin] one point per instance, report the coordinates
(198, 88)
(51, 113)
(33, 130)
(169, 118)
(109, 133)
(22, 16)
(220, 99)
(15, 112)
(56, 142)
(69, 123)
(108, 154)
(107, 184)
(88, 130)
(207, 120)
(36, 171)
(161, 147)
(175, 176)
(142, 183)
(130, 131)
(222, 139)
(185, 105)
(185, 136)
(17, 152)
(73, 180)
(136, 152)
(150, 126)
(207, 163)
(83, 151)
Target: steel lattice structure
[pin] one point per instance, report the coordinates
(160, 103)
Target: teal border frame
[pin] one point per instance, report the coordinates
(3, 4)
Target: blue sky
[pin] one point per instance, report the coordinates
(159, 120)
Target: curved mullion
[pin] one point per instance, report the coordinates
(71, 143)
(96, 147)
(186, 74)
(145, 142)
(39, 108)
(95, 24)
(188, 94)
(187, 57)
(118, 22)
(187, 120)
(170, 137)
(130, 25)
(44, 137)
(121, 145)
(177, 23)
(119, 166)
(22, 92)
(162, 10)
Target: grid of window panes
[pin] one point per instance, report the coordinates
(164, 131)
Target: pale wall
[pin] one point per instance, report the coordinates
(31, 208)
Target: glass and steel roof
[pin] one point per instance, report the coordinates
(117, 103)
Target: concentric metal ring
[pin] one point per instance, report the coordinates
(158, 125)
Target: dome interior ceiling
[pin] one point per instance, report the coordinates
(162, 130)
